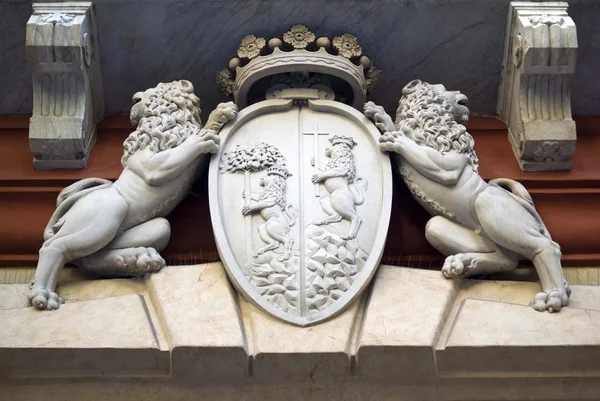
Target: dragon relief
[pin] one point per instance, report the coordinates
(481, 227)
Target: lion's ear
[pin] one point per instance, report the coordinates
(411, 86)
(186, 86)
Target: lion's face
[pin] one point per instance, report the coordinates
(274, 188)
(164, 117)
(266, 181)
(458, 101)
(432, 116)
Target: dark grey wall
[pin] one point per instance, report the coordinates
(455, 42)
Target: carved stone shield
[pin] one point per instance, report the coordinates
(300, 199)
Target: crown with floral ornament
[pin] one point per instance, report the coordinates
(299, 50)
(346, 140)
(280, 171)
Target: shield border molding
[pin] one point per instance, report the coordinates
(235, 272)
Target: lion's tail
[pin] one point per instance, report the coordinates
(520, 194)
(291, 214)
(67, 198)
(358, 188)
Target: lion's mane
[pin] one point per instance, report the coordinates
(276, 190)
(341, 156)
(171, 114)
(425, 116)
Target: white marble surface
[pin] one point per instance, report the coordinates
(183, 334)
(458, 42)
(300, 202)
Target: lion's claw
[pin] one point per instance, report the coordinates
(458, 265)
(377, 114)
(42, 299)
(221, 115)
(551, 302)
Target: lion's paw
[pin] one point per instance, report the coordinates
(551, 302)
(371, 109)
(221, 115)
(320, 222)
(378, 115)
(42, 299)
(457, 265)
(282, 258)
(150, 261)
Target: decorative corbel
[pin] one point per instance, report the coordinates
(62, 50)
(535, 94)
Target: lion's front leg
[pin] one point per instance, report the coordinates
(378, 115)
(325, 175)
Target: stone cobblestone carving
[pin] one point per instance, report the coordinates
(333, 265)
(62, 50)
(535, 95)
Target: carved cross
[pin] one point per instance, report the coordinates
(315, 135)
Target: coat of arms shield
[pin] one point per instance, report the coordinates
(300, 198)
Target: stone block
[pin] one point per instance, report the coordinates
(201, 322)
(402, 322)
(87, 338)
(283, 353)
(492, 339)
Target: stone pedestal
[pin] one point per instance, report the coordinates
(184, 334)
(535, 94)
(62, 51)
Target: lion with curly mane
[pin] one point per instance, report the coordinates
(117, 229)
(481, 227)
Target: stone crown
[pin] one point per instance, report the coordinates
(341, 139)
(299, 51)
(279, 170)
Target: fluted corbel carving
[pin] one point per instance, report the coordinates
(535, 94)
(63, 58)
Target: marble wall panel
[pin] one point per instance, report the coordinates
(457, 42)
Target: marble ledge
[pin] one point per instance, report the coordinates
(187, 324)
(184, 333)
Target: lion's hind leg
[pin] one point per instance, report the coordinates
(85, 231)
(342, 201)
(133, 253)
(468, 254)
(509, 224)
(272, 244)
(333, 216)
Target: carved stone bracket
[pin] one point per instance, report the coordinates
(535, 94)
(62, 50)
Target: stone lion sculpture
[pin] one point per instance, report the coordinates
(279, 217)
(481, 227)
(346, 190)
(117, 229)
